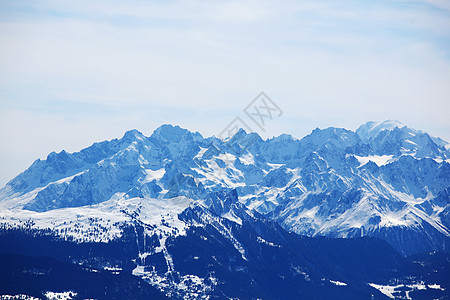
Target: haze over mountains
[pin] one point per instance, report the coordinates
(385, 180)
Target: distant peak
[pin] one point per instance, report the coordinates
(388, 124)
(244, 138)
(54, 156)
(370, 130)
(329, 132)
(133, 134)
(168, 132)
(169, 128)
(238, 135)
(241, 132)
(284, 137)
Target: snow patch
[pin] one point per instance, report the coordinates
(338, 283)
(388, 290)
(102, 222)
(263, 241)
(232, 217)
(60, 296)
(154, 175)
(247, 159)
(380, 160)
(187, 287)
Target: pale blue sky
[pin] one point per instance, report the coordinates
(72, 73)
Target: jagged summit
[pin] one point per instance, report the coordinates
(132, 135)
(241, 132)
(283, 138)
(368, 131)
(170, 133)
(394, 138)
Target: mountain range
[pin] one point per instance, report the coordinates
(346, 213)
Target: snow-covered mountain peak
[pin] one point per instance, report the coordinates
(320, 136)
(242, 140)
(168, 133)
(132, 135)
(394, 138)
(370, 130)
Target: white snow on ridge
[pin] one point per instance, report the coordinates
(370, 130)
(247, 159)
(228, 175)
(411, 142)
(232, 217)
(201, 152)
(153, 175)
(380, 160)
(102, 222)
(440, 160)
(11, 200)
